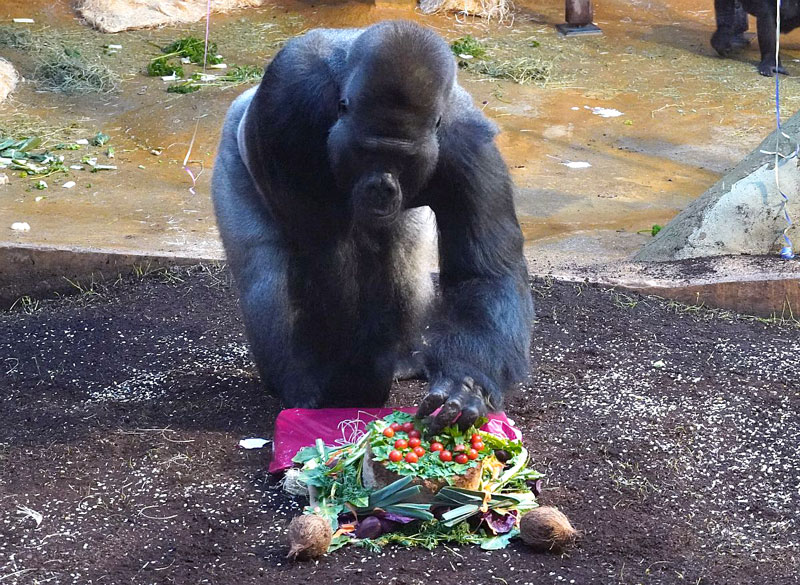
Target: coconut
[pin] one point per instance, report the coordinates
(309, 536)
(546, 529)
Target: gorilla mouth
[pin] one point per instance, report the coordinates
(386, 213)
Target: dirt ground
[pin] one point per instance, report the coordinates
(669, 435)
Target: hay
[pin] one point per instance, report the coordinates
(499, 10)
(523, 70)
(66, 71)
(15, 38)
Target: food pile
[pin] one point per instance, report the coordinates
(397, 485)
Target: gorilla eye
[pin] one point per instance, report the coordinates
(439, 122)
(343, 103)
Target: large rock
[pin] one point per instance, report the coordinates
(741, 213)
(112, 16)
(8, 79)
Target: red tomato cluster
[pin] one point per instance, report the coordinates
(411, 449)
(413, 443)
(462, 453)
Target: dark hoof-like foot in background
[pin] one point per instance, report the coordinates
(739, 42)
(723, 44)
(769, 69)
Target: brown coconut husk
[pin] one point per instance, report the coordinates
(309, 536)
(547, 529)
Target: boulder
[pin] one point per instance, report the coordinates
(110, 16)
(742, 213)
(8, 79)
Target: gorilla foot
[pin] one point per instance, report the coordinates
(769, 69)
(739, 42)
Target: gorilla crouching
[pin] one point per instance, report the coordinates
(732, 23)
(320, 188)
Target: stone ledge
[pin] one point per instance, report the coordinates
(754, 285)
(39, 271)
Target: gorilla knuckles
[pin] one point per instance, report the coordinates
(321, 176)
(383, 148)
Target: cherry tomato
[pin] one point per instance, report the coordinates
(419, 451)
(437, 447)
(477, 445)
(472, 454)
(445, 455)
(414, 435)
(395, 426)
(411, 457)
(388, 432)
(395, 456)
(407, 427)
(475, 437)
(460, 448)
(414, 442)
(461, 458)
(401, 444)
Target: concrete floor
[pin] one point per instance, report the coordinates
(687, 116)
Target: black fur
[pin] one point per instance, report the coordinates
(732, 23)
(319, 187)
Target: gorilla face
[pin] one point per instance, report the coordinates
(382, 158)
(384, 147)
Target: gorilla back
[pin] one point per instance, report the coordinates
(321, 188)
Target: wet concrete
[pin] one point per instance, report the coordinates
(687, 117)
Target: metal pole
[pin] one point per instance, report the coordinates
(579, 12)
(579, 16)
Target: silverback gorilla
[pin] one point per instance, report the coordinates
(732, 23)
(318, 184)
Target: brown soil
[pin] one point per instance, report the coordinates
(122, 409)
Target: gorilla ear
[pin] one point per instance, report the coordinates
(343, 103)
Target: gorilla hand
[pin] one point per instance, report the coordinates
(462, 401)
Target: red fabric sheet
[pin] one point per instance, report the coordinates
(296, 428)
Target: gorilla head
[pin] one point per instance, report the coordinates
(383, 147)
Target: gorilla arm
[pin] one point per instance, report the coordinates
(478, 343)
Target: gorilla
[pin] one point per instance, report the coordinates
(324, 178)
(732, 23)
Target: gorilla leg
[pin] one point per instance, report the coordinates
(731, 26)
(740, 24)
(766, 23)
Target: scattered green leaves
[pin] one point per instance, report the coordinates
(468, 45)
(160, 67)
(185, 87)
(100, 139)
(193, 49)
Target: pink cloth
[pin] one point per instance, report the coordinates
(296, 428)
